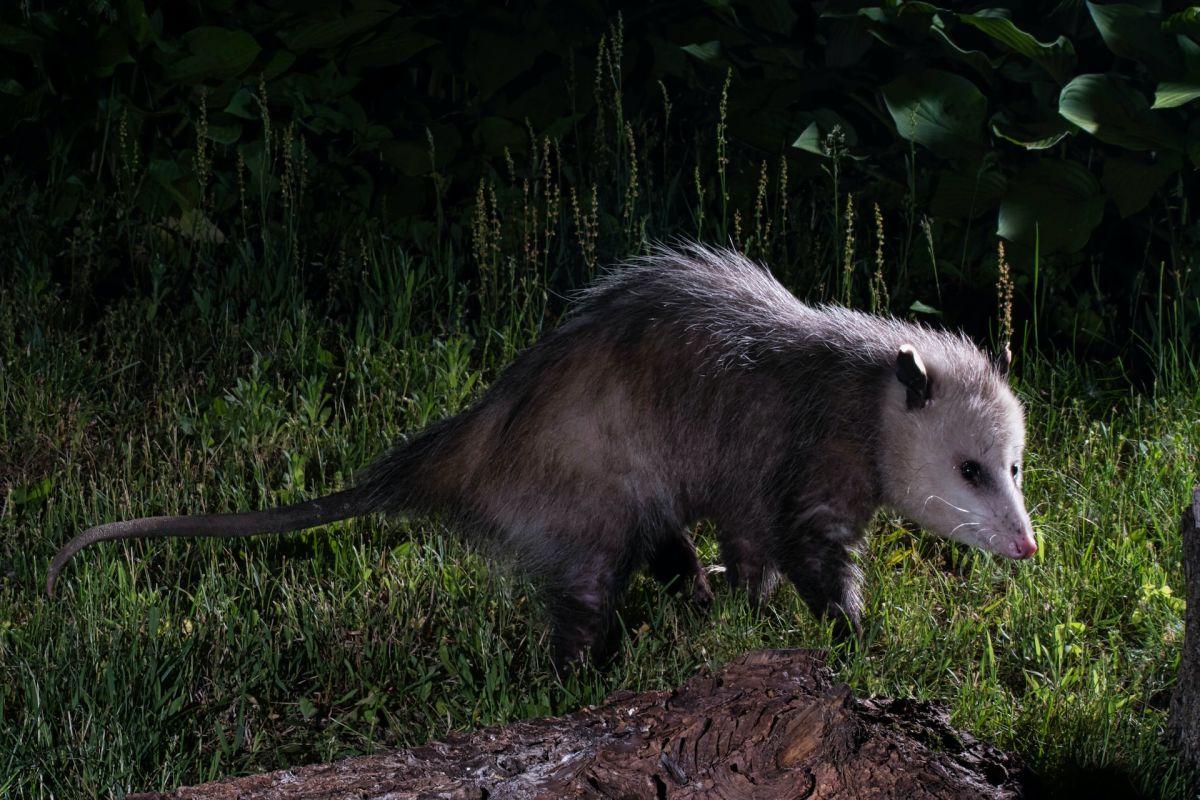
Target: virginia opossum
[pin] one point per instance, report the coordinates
(691, 385)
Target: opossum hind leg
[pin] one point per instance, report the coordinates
(673, 561)
(582, 602)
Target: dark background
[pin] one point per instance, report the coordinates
(133, 117)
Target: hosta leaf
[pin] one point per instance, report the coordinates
(1171, 95)
(939, 110)
(1184, 22)
(19, 40)
(821, 123)
(1137, 34)
(705, 51)
(967, 193)
(976, 59)
(390, 48)
(776, 16)
(214, 53)
(1131, 182)
(1057, 57)
(317, 33)
(1114, 113)
(1056, 204)
(1037, 134)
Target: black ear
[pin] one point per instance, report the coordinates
(910, 369)
(1002, 360)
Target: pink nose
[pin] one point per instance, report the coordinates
(1024, 547)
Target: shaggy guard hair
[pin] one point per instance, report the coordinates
(689, 384)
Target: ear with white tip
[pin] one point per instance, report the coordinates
(910, 370)
(1003, 360)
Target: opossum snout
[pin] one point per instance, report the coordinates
(1024, 546)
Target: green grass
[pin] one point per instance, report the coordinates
(161, 663)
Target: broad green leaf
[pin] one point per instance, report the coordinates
(776, 16)
(317, 33)
(1174, 94)
(923, 308)
(939, 110)
(19, 40)
(967, 193)
(1032, 135)
(1131, 182)
(821, 123)
(1055, 204)
(244, 104)
(496, 59)
(811, 140)
(278, 64)
(135, 21)
(214, 53)
(705, 51)
(224, 134)
(1184, 22)
(1114, 113)
(976, 59)
(493, 134)
(1137, 34)
(387, 49)
(1057, 57)
(111, 48)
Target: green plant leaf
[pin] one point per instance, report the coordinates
(244, 104)
(387, 49)
(821, 122)
(1131, 182)
(967, 193)
(923, 308)
(1114, 113)
(1184, 22)
(939, 110)
(1174, 94)
(1136, 34)
(1055, 204)
(320, 33)
(1038, 134)
(1057, 57)
(214, 53)
(19, 40)
(134, 19)
(707, 52)
(976, 59)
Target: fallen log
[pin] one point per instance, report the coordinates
(1184, 717)
(768, 724)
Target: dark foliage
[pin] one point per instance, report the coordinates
(1030, 122)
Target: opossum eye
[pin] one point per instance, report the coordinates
(1016, 472)
(971, 471)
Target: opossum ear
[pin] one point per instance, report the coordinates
(910, 369)
(1003, 360)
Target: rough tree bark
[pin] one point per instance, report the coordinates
(769, 724)
(1184, 719)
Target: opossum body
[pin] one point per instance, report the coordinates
(691, 385)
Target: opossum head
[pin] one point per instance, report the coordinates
(953, 435)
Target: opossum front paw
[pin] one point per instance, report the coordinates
(759, 582)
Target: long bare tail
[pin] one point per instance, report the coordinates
(331, 508)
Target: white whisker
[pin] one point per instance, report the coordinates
(947, 502)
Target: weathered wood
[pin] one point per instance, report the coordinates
(1184, 719)
(769, 724)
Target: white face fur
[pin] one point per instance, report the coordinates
(951, 456)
